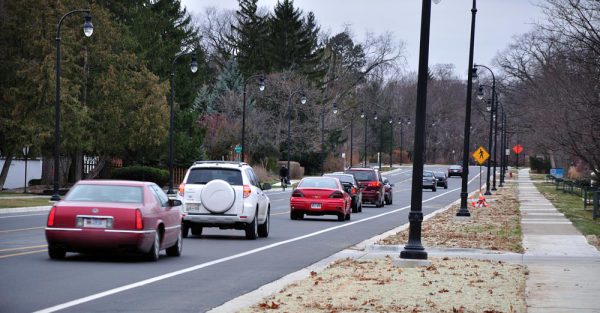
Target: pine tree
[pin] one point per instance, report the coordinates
(251, 39)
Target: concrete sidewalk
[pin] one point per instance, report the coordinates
(564, 270)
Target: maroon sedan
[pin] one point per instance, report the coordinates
(320, 196)
(128, 216)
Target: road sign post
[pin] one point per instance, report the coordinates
(517, 149)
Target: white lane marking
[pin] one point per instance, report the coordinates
(23, 215)
(20, 229)
(225, 259)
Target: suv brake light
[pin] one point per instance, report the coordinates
(247, 191)
(336, 194)
(375, 184)
(297, 193)
(51, 216)
(353, 190)
(181, 189)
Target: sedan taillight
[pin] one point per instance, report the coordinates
(51, 216)
(139, 223)
(336, 195)
(297, 193)
(353, 190)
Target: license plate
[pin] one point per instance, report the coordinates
(94, 222)
(193, 207)
(315, 205)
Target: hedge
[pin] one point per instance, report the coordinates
(143, 173)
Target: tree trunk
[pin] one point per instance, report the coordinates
(98, 168)
(5, 169)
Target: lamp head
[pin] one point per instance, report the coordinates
(88, 27)
(375, 115)
(391, 121)
(261, 83)
(335, 108)
(194, 64)
(474, 75)
(480, 93)
(362, 113)
(303, 99)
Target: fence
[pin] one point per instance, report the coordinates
(590, 194)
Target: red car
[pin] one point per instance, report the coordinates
(320, 196)
(128, 216)
(371, 185)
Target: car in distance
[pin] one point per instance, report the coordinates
(455, 170)
(388, 193)
(442, 179)
(351, 187)
(320, 196)
(98, 215)
(227, 195)
(371, 185)
(429, 181)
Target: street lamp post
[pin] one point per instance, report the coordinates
(351, 136)
(391, 122)
(380, 140)
(464, 193)
(401, 122)
(492, 112)
(261, 87)
(414, 249)
(502, 146)
(25, 154)
(363, 114)
(193, 68)
(289, 135)
(88, 29)
(334, 110)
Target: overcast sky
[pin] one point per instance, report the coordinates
(497, 22)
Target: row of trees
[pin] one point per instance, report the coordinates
(552, 83)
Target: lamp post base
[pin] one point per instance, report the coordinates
(413, 253)
(488, 193)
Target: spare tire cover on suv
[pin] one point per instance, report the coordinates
(217, 196)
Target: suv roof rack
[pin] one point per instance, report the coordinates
(221, 162)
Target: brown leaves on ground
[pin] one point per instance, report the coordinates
(495, 227)
(448, 285)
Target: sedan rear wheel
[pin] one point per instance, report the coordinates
(185, 229)
(341, 217)
(175, 250)
(154, 252)
(56, 253)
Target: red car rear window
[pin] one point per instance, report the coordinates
(105, 193)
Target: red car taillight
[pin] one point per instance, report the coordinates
(247, 191)
(51, 216)
(139, 223)
(336, 195)
(353, 190)
(181, 189)
(297, 193)
(375, 184)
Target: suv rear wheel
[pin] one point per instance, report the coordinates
(196, 230)
(263, 229)
(252, 228)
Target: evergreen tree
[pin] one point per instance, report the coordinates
(250, 39)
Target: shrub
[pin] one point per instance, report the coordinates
(540, 165)
(333, 164)
(142, 173)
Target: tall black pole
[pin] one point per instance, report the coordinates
(401, 147)
(380, 154)
(322, 138)
(414, 249)
(492, 112)
(502, 147)
(55, 195)
(289, 135)
(244, 110)
(464, 193)
(351, 136)
(365, 151)
(495, 145)
(391, 144)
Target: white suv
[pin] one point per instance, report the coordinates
(225, 195)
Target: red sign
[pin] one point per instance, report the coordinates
(518, 148)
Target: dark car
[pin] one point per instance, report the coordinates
(371, 185)
(429, 181)
(454, 170)
(352, 188)
(442, 179)
(388, 196)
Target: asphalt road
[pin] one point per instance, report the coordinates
(214, 268)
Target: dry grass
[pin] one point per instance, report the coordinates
(496, 227)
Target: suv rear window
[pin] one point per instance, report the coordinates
(363, 175)
(342, 178)
(203, 175)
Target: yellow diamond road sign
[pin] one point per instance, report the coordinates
(480, 155)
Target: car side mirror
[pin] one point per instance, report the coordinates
(266, 186)
(174, 202)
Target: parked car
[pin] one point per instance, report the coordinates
(429, 181)
(388, 193)
(351, 187)
(227, 195)
(131, 216)
(371, 185)
(455, 170)
(442, 179)
(320, 196)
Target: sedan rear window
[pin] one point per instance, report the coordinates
(363, 175)
(204, 175)
(106, 193)
(318, 183)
